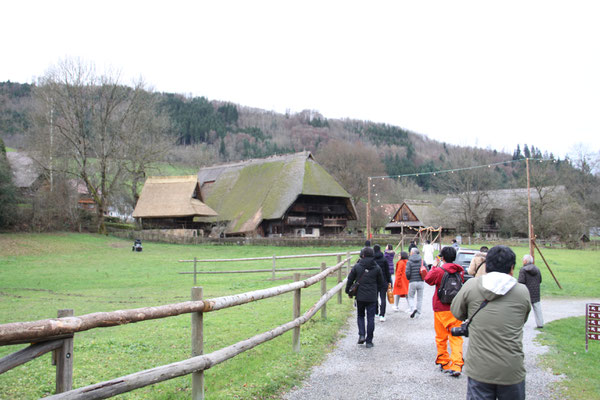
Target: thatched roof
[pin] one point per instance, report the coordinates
(246, 193)
(24, 170)
(171, 196)
(421, 213)
(501, 199)
(505, 198)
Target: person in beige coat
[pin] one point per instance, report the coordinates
(477, 265)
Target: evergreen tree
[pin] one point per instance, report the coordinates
(526, 151)
(517, 153)
(8, 191)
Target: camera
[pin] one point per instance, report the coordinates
(462, 330)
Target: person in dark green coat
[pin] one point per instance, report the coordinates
(494, 362)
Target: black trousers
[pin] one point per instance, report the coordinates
(487, 391)
(370, 308)
(383, 299)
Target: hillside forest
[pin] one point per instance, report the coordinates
(109, 136)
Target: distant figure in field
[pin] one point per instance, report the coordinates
(530, 276)
(455, 244)
(477, 265)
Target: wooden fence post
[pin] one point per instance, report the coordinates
(296, 314)
(64, 360)
(195, 262)
(348, 267)
(339, 276)
(197, 346)
(323, 291)
(273, 273)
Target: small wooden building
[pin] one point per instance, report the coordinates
(171, 202)
(288, 195)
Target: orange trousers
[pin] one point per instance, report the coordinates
(443, 322)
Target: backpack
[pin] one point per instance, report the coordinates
(449, 287)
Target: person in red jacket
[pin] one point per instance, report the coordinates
(444, 321)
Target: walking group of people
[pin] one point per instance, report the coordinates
(491, 309)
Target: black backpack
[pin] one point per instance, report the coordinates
(449, 287)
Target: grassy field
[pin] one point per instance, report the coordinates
(575, 270)
(567, 356)
(40, 274)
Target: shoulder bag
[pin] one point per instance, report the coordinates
(354, 287)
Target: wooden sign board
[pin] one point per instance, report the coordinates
(592, 323)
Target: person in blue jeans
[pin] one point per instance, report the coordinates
(370, 282)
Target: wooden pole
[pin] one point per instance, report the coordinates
(103, 390)
(195, 271)
(323, 291)
(529, 209)
(402, 237)
(197, 345)
(296, 314)
(339, 279)
(369, 208)
(349, 266)
(64, 360)
(545, 262)
(274, 261)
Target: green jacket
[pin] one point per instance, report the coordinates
(495, 353)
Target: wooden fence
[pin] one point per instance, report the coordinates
(272, 269)
(57, 335)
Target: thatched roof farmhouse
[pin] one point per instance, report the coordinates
(495, 206)
(171, 202)
(280, 195)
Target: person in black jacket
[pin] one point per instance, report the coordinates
(530, 276)
(370, 278)
(387, 279)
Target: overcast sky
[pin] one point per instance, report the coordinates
(490, 74)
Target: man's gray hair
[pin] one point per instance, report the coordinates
(414, 250)
(527, 259)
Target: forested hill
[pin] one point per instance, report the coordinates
(220, 132)
(191, 132)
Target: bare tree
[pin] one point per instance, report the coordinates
(146, 141)
(471, 187)
(95, 122)
(351, 164)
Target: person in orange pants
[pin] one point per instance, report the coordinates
(449, 362)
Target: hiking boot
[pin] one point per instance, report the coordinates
(369, 345)
(361, 339)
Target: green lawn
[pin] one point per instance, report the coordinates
(575, 270)
(40, 274)
(567, 356)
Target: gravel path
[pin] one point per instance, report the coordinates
(401, 365)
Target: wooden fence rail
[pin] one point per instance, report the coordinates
(57, 335)
(140, 379)
(273, 269)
